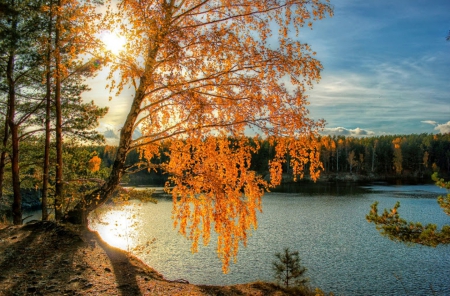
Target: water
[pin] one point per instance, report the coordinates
(343, 253)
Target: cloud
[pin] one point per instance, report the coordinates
(385, 98)
(342, 131)
(110, 134)
(443, 128)
(384, 73)
(429, 122)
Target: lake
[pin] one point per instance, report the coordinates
(326, 224)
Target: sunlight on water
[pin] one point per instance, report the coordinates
(117, 226)
(343, 253)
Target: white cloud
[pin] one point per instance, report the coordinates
(342, 131)
(443, 128)
(112, 133)
(385, 98)
(379, 74)
(432, 122)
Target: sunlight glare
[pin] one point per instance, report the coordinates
(113, 42)
(117, 228)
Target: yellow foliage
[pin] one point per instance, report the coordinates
(94, 164)
(213, 186)
(203, 72)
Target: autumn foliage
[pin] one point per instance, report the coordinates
(205, 73)
(94, 164)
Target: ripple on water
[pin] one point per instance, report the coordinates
(343, 253)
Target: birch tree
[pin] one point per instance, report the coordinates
(204, 71)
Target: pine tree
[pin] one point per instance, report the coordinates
(19, 84)
(390, 223)
(288, 270)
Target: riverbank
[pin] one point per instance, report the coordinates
(45, 258)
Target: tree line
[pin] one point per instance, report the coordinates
(415, 155)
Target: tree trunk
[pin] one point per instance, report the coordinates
(99, 197)
(3, 154)
(45, 177)
(17, 202)
(59, 160)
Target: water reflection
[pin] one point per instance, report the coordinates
(117, 225)
(343, 253)
(326, 188)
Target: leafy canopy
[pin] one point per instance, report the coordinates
(207, 70)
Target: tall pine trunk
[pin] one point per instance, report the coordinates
(3, 154)
(59, 159)
(17, 201)
(48, 94)
(45, 177)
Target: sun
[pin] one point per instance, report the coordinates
(113, 42)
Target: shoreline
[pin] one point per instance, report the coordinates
(46, 258)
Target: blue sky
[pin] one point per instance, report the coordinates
(386, 69)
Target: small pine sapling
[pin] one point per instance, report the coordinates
(288, 270)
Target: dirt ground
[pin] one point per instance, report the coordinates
(45, 258)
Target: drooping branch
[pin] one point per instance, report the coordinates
(203, 71)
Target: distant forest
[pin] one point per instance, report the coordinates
(414, 156)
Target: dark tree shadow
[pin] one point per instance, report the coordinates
(36, 257)
(124, 271)
(44, 258)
